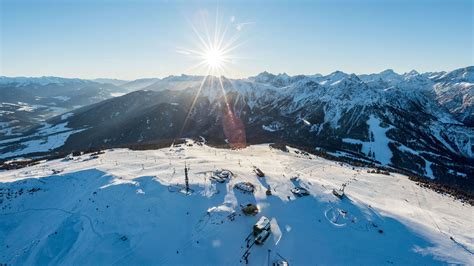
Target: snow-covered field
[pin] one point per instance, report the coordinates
(125, 207)
(48, 138)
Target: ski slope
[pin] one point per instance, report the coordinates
(125, 207)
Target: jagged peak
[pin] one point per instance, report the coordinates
(389, 72)
(412, 73)
(182, 77)
(279, 80)
(283, 75)
(354, 77)
(465, 74)
(264, 74)
(337, 73)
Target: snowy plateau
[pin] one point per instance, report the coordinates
(125, 207)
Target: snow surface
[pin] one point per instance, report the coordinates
(125, 208)
(117, 94)
(62, 98)
(66, 116)
(41, 145)
(6, 128)
(379, 145)
(273, 126)
(46, 138)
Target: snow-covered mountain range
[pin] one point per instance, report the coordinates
(25, 102)
(416, 122)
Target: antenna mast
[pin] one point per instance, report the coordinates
(186, 179)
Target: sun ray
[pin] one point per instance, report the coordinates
(195, 66)
(222, 37)
(215, 53)
(214, 50)
(200, 38)
(188, 115)
(224, 93)
(217, 27)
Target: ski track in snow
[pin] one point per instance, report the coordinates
(379, 145)
(134, 218)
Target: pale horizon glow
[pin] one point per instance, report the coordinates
(128, 40)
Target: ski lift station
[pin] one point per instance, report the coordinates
(300, 191)
(261, 230)
(263, 224)
(221, 175)
(245, 187)
(339, 192)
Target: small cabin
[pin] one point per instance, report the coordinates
(217, 178)
(263, 224)
(260, 239)
(300, 191)
(70, 157)
(338, 193)
(246, 187)
(221, 175)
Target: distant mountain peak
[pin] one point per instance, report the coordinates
(338, 73)
(44, 80)
(264, 76)
(413, 73)
(389, 72)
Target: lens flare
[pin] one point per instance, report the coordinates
(214, 55)
(214, 45)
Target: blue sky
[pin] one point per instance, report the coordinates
(134, 39)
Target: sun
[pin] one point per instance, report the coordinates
(214, 58)
(215, 53)
(214, 47)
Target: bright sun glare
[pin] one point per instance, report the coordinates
(214, 58)
(214, 47)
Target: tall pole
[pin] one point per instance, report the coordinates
(268, 258)
(186, 179)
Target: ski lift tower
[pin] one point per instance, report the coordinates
(186, 179)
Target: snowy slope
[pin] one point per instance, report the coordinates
(397, 120)
(46, 139)
(125, 208)
(27, 102)
(453, 90)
